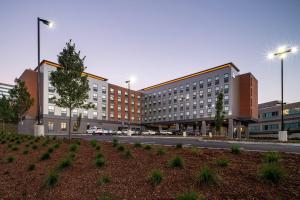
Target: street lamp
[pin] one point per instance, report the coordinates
(282, 52)
(128, 89)
(50, 25)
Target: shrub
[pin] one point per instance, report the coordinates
(3, 142)
(99, 155)
(9, 146)
(115, 142)
(18, 142)
(56, 145)
(196, 151)
(271, 157)
(100, 162)
(106, 196)
(50, 150)
(155, 177)
(10, 159)
(160, 151)
(189, 196)
(121, 147)
(27, 145)
(31, 167)
(14, 148)
(148, 147)
(45, 156)
(25, 152)
(222, 162)
(178, 146)
(45, 143)
(176, 162)
(71, 155)
(64, 163)
(235, 149)
(104, 180)
(127, 153)
(206, 176)
(77, 141)
(94, 143)
(98, 147)
(51, 179)
(73, 147)
(34, 147)
(137, 144)
(272, 172)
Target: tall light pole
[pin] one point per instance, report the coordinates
(50, 24)
(129, 97)
(282, 52)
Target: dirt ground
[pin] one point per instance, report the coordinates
(129, 176)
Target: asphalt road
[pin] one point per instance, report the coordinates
(195, 142)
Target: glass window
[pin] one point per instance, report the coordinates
(63, 111)
(95, 96)
(51, 109)
(95, 87)
(50, 126)
(63, 126)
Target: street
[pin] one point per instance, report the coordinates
(195, 142)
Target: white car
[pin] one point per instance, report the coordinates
(94, 130)
(105, 131)
(149, 132)
(164, 132)
(119, 133)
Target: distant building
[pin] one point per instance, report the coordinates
(4, 89)
(270, 118)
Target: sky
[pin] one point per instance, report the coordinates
(157, 40)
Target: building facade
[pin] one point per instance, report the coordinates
(189, 102)
(270, 118)
(4, 89)
(186, 103)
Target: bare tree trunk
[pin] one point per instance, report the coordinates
(70, 120)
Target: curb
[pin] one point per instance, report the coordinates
(250, 142)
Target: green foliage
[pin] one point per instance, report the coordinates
(64, 163)
(235, 149)
(45, 156)
(50, 150)
(271, 157)
(69, 81)
(196, 151)
(99, 155)
(271, 172)
(207, 176)
(104, 180)
(121, 147)
(10, 159)
(14, 148)
(34, 147)
(137, 144)
(31, 167)
(155, 177)
(17, 104)
(128, 154)
(56, 145)
(222, 162)
(178, 146)
(93, 143)
(73, 147)
(100, 162)
(25, 152)
(115, 142)
(160, 151)
(98, 147)
(219, 117)
(189, 196)
(106, 196)
(71, 155)
(148, 147)
(176, 162)
(51, 179)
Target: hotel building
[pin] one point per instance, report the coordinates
(4, 89)
(186, 103)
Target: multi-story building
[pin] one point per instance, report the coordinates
(186, 103)
(189, 102)
(4, 89)
(270, 118)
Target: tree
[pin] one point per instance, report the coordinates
(69, 81)
(20, 100)
(219, 117)
(6, 113)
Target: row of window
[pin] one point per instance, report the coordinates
(112, 90)
(112, 116)
(275, 127)
(51, 111)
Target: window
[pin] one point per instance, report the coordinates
(95, 105)
(208, 82)
(217, 81)
(194, 95)
(75, 112)
(209, 110)
(85, 113)
(269, 127)
(226, 78)
(175, 90)
(208, 92)
(226, 108)
(50, 126)
(51, 88)
(95, 87)
(201, 112)
(63, 126)
(201, 83)
(201, 93)
(226, 88)
(51, 110)
(209, 100)
(170, 91)
(50, 98)
(217, 90)
(95, 97)
(226, 99)
(112, 90)
(63, 112)
(103, 89)
(119, 92)
(194, 86)
(181, 89)
(187, 87)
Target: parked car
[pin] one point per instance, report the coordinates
(94, 130)
(110, 131)
(148, 132)
(165, 132)
(119, 132)
(105, 132)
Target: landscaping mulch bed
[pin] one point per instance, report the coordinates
(130, 176)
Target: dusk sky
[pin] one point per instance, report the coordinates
(157, 40)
